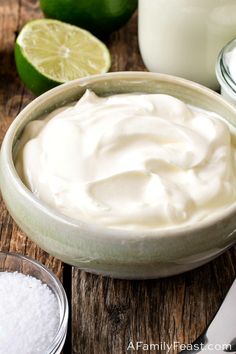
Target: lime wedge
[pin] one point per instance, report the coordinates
(49, 53)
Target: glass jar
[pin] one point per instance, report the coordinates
(183, 37)
(10, 262)
(224, 75)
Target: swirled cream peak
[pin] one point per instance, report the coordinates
(130, 161)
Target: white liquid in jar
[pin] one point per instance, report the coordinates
(184, 37)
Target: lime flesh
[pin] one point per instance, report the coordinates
(50, 52)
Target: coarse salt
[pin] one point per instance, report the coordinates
(29, 314)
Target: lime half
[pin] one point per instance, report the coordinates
(49, 53)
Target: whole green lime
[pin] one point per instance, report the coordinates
(98, 16)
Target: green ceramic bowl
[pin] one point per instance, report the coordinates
(118, 253)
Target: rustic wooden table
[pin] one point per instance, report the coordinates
(107, 314)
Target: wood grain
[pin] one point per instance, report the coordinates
(108, 314)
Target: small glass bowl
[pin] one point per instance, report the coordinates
(11, 262)
(227, 83)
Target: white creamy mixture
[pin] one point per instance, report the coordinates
(130, 161)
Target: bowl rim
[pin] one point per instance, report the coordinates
(96, 228)
(62, 328)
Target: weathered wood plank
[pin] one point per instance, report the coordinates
(107, 314)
